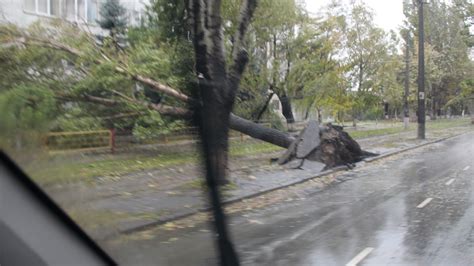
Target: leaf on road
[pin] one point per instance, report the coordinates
(254, 222)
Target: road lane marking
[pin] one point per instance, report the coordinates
(364, 253)
(450, 182)
(466, 168)
(424, 203)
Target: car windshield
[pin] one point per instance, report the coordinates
(253, 132)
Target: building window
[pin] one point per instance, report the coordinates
(81, 10)
(30, 5)
(72, 10)
(92, 10)
(54, 9)
(42, 6)
(68, 10)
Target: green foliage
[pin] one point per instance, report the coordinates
(26, 112)
(74, 120)
(467, 88)
(153, 125)
(447, 48)
(169, 17)
(367, 48)
(112, 16)
(316, 76)
(374, 113)
(71, 78)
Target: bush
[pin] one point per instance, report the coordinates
(26, 113)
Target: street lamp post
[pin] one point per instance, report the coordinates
(421, 72)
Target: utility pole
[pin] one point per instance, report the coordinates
(421, 72)
(406, 112)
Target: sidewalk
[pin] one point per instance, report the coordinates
(153, 197)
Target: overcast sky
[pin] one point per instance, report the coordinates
(388, 13)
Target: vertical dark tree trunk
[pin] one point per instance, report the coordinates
(217, 90)
(433, 103)
(354, 117)
(320, 117)
(287, 111)
(308, 109)
(386, 110)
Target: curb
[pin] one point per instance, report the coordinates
(388, 154)
(150, 224)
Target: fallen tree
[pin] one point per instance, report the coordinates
(328, 144)
(336, 146)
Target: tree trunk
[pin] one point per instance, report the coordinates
(270, 135)
(354, 119)
(308, 109)
(470, 105)
(361, 77)
(336, 148)
(433, 103)
(264, 107)
(286, 108)
(218, 85)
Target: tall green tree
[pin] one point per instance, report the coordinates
(367, 49)
(317, 77)
(271, 39)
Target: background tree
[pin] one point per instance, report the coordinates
(271, 39)
(366, 52)
(317, 77)
(113, 18)
(448, 49)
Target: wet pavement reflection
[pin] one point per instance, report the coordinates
(376, 206)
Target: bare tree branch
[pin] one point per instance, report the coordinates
(246, 13)
(98, 100)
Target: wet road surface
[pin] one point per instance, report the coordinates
(417, 209)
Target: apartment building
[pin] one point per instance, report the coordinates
(25, 12)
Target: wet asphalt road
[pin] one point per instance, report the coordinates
(417, 209)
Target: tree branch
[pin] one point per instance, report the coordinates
(239, 54)
(157, 86)
(98, 100)
(160, 108)
(246, 13)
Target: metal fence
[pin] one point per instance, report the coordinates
(79, 140)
